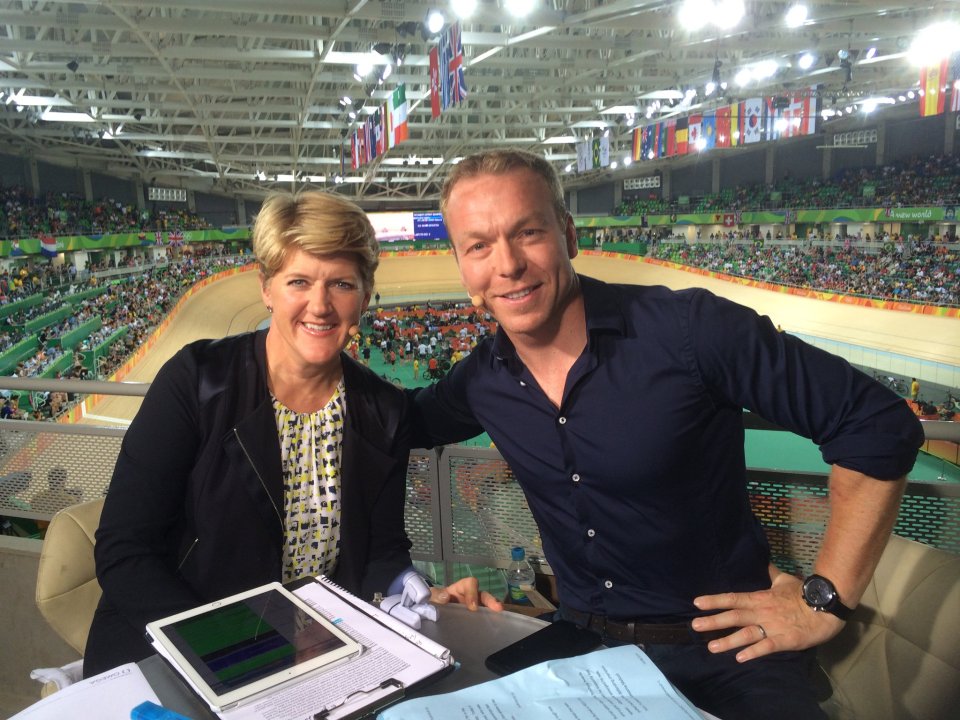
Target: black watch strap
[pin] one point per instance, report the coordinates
(821, 595)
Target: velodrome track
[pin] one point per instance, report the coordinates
(233, 305)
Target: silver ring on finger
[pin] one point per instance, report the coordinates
(763, 633)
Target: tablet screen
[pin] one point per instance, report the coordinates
(250, 642)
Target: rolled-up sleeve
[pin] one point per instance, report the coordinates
(856, 422)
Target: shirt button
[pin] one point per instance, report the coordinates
(522, 384)
(608, 584)
(562, 420)
(591, 532)
(575, 477)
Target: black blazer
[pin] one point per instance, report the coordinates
(194, 511)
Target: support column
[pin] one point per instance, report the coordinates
(665, 177)
(87, 186)
(826, 168)
(881, 143)
(573, 203)
(241, 212)
(141, 198)
(34, 177)
(950, 130)
(715, 179)
(191, 201)
(617, 194)
(768, 160)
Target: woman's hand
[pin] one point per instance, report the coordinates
(466, 592)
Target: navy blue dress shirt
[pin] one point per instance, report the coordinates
(637, 481)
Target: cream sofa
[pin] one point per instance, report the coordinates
(898, 657)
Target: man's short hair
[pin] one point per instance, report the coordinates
(499, 162)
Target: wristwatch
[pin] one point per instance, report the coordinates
(820, 594)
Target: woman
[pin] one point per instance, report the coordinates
(264, 456)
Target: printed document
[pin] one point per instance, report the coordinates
(108, 696)
(610, 684)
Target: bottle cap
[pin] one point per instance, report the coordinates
(517, 553)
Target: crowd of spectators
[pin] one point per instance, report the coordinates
(24, 215)
(930, 181)
(904, 269)
(430, 338)
(137, 302)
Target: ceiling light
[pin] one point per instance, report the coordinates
(463, 8)
(613, 165)
(934, 43)
(796, 16)
(806, 61)
(627, 161)
(434, 22)
(870, 53)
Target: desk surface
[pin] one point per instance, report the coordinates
(471, 636)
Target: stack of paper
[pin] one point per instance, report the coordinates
(608, 684)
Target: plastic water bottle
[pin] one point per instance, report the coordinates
(520, 577)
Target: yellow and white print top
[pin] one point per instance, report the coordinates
(310, 449)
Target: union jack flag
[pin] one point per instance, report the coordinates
(175, 237)
(453, 84)
(158, 236)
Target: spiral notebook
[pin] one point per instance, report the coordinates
(394, 660)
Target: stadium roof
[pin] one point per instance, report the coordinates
(243, 96)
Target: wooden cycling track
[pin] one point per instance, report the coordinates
(232, 305)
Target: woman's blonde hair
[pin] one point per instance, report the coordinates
(318, 223)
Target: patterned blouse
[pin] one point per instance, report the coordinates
(310, 448)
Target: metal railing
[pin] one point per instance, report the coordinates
(463, 504)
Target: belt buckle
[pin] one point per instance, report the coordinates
(633, 632)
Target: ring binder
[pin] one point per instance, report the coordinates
(379, 703)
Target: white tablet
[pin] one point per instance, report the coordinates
(235, 649)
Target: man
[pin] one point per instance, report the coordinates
(619, 410)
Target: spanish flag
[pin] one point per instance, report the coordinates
(932, 81)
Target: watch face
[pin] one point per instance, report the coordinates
(818, 591)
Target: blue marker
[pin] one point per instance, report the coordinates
(151, 711)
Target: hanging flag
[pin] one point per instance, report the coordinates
(398, 131)
(584, 156)
(454, 66)
(683, 133)
(444, 56)
(708, 130)
(646, 142)
(158, 237)
(48, 246)
(662, 139)
(434, 83)
(723, 127)
(799, 117)
(175, 237)
(378, 120)
(15, 248)
(932, 80)
(354, 157)
(693, 133)
(753, 120)
(729, 220)
(637, 147)
(954, 82)
(736, 124)
(774, 123)
(671, 138)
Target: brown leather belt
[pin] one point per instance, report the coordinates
(641, 634)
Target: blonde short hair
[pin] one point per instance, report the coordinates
(499, 162)
(319, 223)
